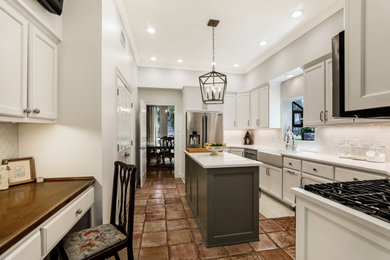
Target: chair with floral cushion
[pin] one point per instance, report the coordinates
(106, 240)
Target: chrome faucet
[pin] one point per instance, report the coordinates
(289, 139)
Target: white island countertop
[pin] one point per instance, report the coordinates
(222, 160)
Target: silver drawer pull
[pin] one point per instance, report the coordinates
(290, 163)
(314, 169)
(291, 172)
(355, 179)
(267, 172)
(79, 211)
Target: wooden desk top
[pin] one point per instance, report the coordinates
(24, 207)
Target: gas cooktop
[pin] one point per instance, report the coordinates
(371, 196)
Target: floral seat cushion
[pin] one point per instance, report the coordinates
(87, 242)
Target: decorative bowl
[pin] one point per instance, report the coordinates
(215, 149)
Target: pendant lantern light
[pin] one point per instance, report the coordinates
(213, 84)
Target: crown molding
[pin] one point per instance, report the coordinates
(294, 35)
(189, 68)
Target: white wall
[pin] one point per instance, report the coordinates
(305, 49)
(72, 146)
(153, 96)
(176, 79)
(114, 58)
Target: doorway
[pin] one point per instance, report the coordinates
(160, 139)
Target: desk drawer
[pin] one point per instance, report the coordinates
(56, 228)
(292, 163)
(342, 174)
(28, 249)
(318, 169)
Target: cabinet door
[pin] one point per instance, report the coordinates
(329, 97)
(229, 112)
(254, 104)
(239, 152)
(271, 180)
(243, 110)
(192, 99)
(42, 89)
(314, 95)
(367, 54)
(264, 107)
(13, 62)
(291, 179)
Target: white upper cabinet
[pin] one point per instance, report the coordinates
(243, 111)
(367, 54)
(42, 94)
(229, 111)
(264, 107)
(28, 69)
(193, 101)
(13, 62)
(328, 117)
(254, 104)
(314, 95)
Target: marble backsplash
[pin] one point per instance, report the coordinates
(8, 141)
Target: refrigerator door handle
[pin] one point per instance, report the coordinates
(205, 137)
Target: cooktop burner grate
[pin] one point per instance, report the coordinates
(371, 196)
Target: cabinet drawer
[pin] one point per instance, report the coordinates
(342, 174)
(29, 249)
(318, 169)
(56, 228)
(292, 163)
(308, 179)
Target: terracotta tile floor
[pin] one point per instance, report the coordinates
(164, 228)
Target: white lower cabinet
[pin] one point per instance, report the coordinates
(271, 180)
(236, 151)
(56, 228)
(291, 179)
(342, 174)
(28, 249)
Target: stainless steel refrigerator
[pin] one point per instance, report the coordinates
(203, 127)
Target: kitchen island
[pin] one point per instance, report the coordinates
(223, 194)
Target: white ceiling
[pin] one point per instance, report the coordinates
(182, 31)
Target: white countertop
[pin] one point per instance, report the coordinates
(222, 160)
(381, 168)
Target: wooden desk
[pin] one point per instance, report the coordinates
(27, 208)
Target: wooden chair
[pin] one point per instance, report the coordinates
(153, 153)
(106, 240)
(167, 148)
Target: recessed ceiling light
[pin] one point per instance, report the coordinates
(289, 76)
(151, 30)
(263, 43)
(297, 13)
(236, 65)
(180, 61)
(153, 58)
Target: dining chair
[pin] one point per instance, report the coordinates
(167, 148)
(107, 240)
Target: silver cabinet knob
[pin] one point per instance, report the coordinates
(79, 211)
(127, 154)
(27, 111)
(36, 111)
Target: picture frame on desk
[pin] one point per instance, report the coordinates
(22, 170)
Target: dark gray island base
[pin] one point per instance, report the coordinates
(224, 202)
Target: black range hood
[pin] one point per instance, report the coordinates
(53, 6)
